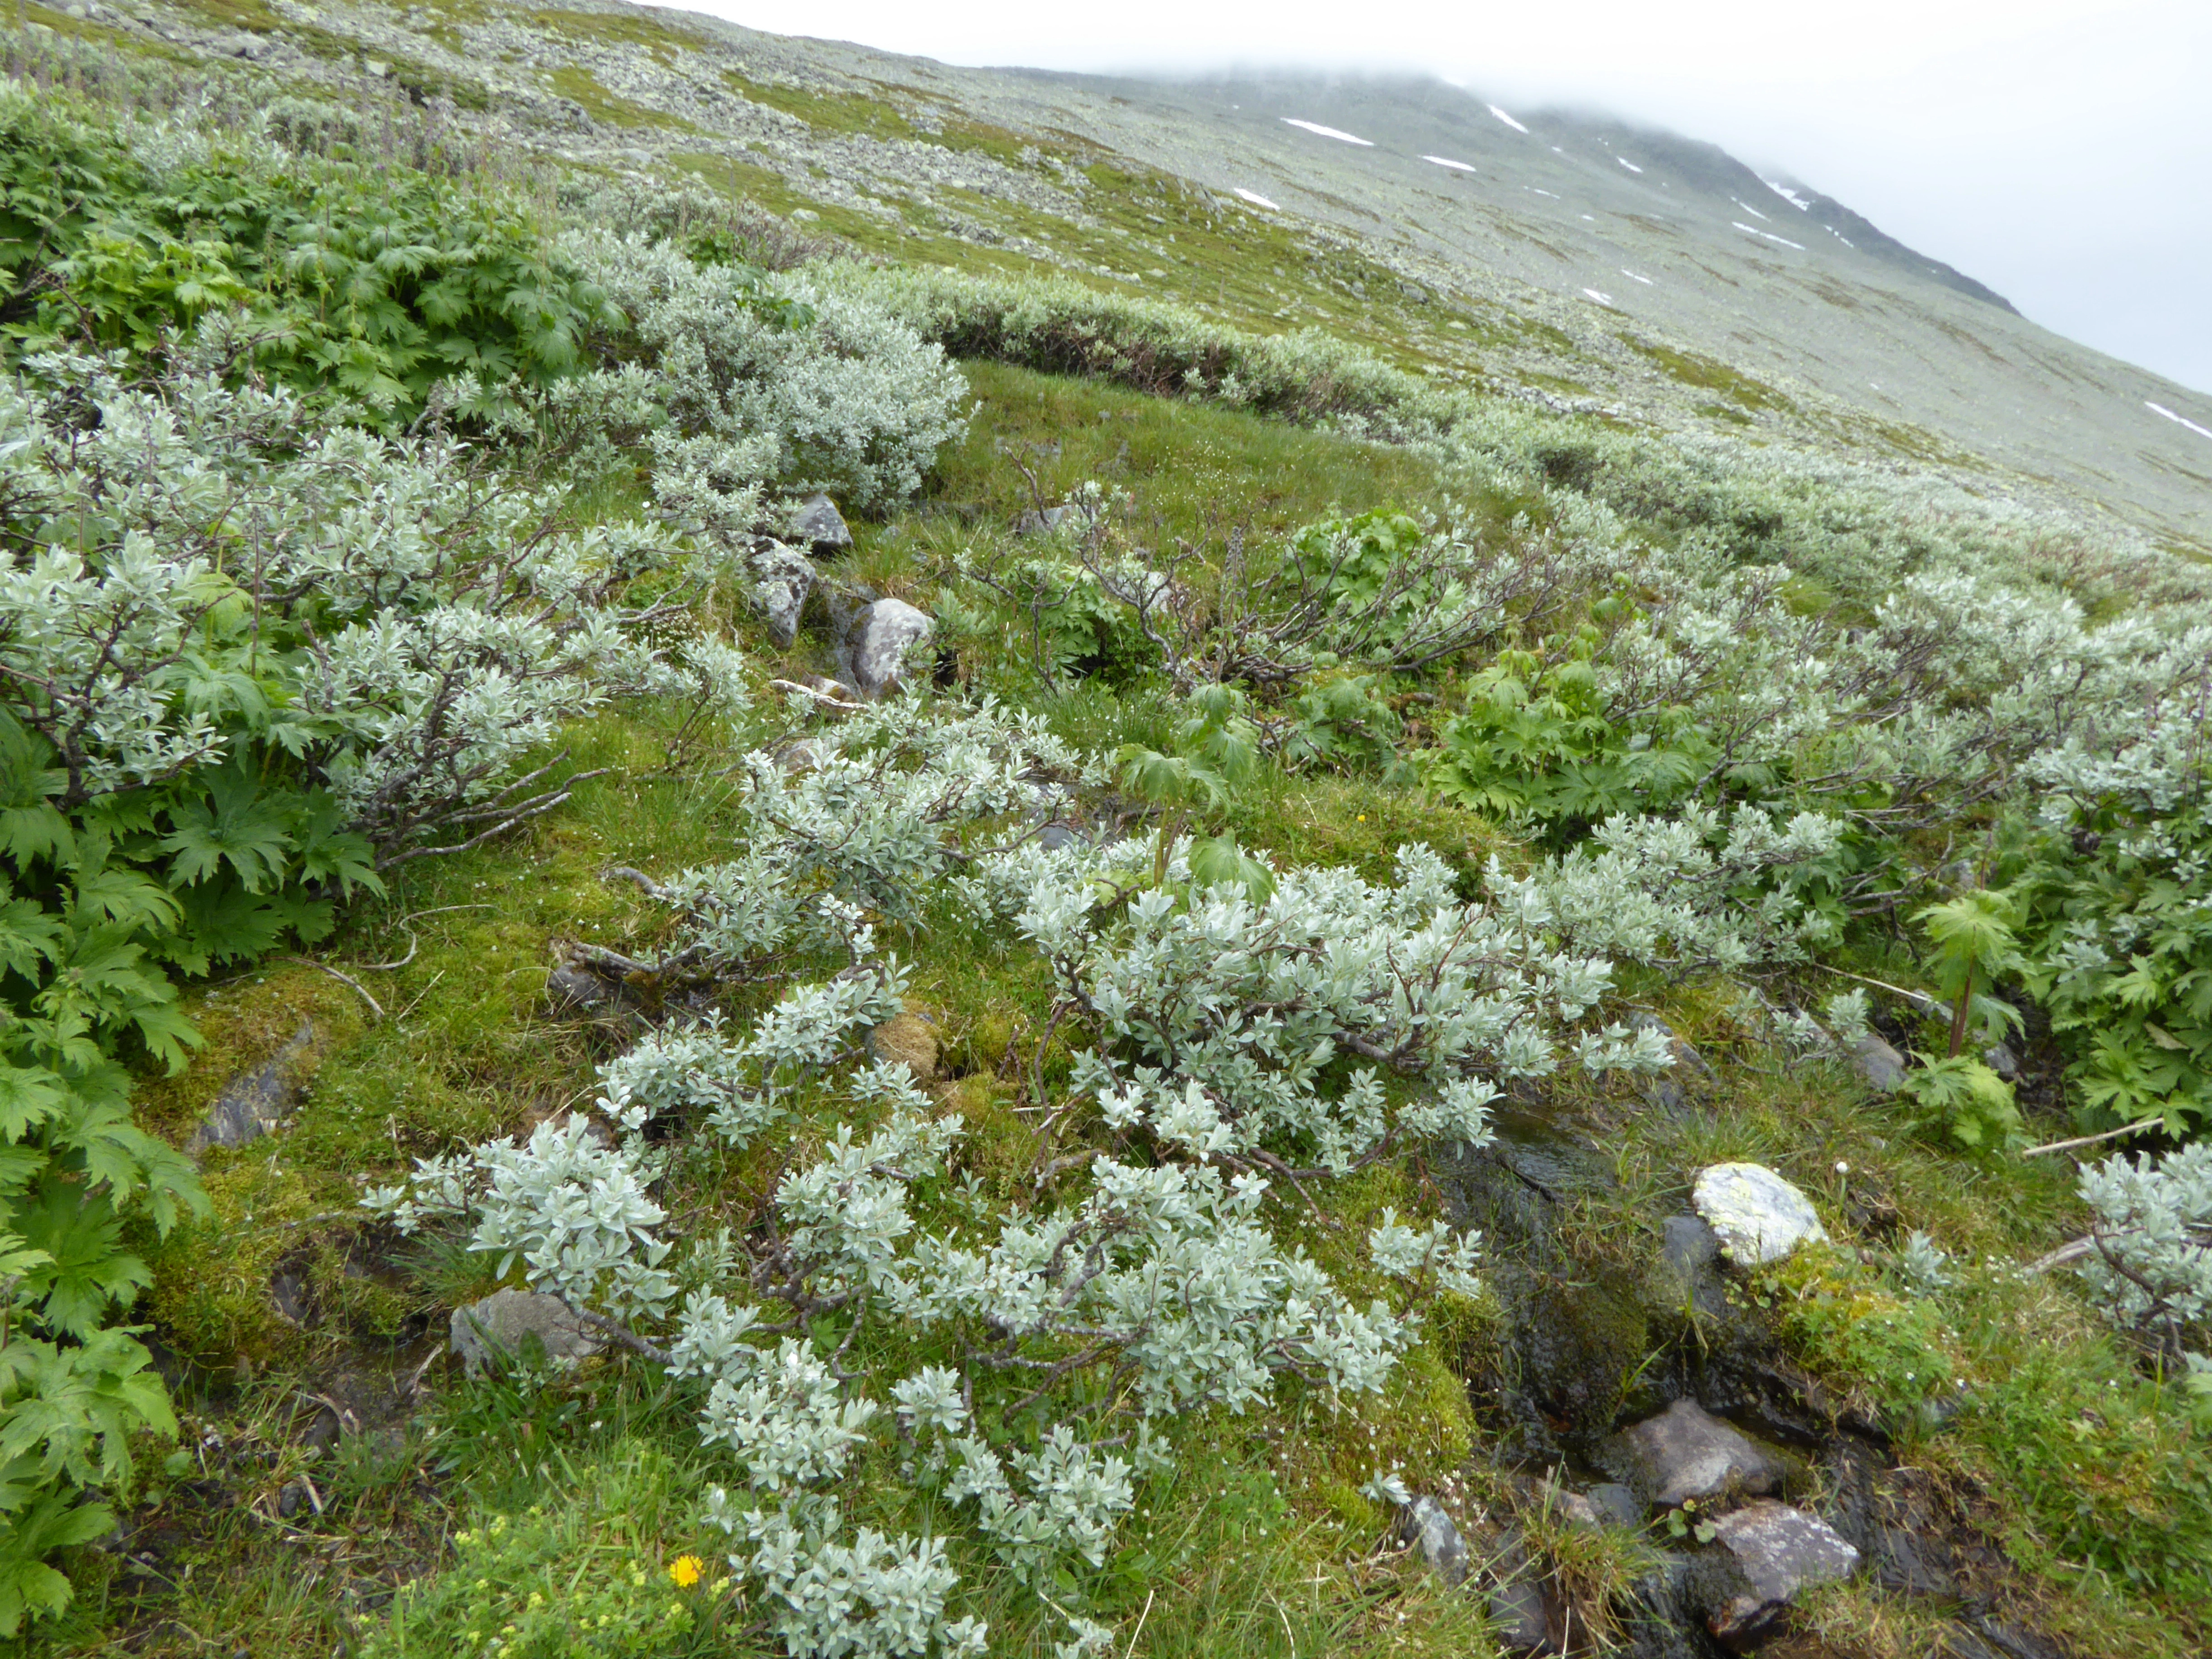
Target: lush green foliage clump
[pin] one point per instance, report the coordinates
(341, 280)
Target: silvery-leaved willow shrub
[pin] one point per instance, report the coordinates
(745, 385)
(1703, 889)
(210, 578)
(2152, 1269)
(841, 1328)
(873, 811)
(1221, 1018)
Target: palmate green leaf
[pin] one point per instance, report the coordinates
(31, 936)
(29, 1587)
(122, 1163)
(239, 825)
(31, 827)
(30, 1097)
(86, 1272)
(69, 1410)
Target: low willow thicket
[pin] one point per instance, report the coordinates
(289, 603)
(280, 615)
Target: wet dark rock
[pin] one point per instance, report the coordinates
(292, 1499)
(1760, 1557)
(321, 1433)
(881, 637)
(1660, 1621)
(501, 1327)
(291, 1288)
(815, 523)
(1425, 1527)
(1688, 1245)
(1903, 1563)
(1521, 1608)
(1881, 1066)
(575, 987)
(1616, 1505)
(1578, 1347)
(256, 1103)
(1685, 1453)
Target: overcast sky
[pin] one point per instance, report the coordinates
(2059, 150)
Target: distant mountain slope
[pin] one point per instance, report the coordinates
(1545, 253)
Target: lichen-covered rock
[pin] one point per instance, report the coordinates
(1427, 1529)
(1760, 1557)
(817, 523)
(1759, 1216)
(1685, 1453)
(881, 636)
(499, 1328)
(784, 578)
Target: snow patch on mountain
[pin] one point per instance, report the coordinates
(2180, 420)
(1340, 135)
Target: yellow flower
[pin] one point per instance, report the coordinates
(684, 1570)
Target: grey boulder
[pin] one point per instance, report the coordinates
(1687, 1454)
(1758, 1216)
(1760, 1557)
(815, 523)
(498, 1329)
(881, 636)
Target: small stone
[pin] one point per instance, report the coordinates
(881, 636)
(1576, 1510)
(1616, 1506)
(255, 1103)
(498, 1328)
(2000, 1058)
(1760, 1557)
(817, 523)
(1881, 1066)
(292, 1499)
(1519, 1609)
(786, 578)
(1759, 1217)
(805, 755)
(1426, 1527)
(1687, 1453)
(906, 1039)
(1037, 523)
(1054, 836)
